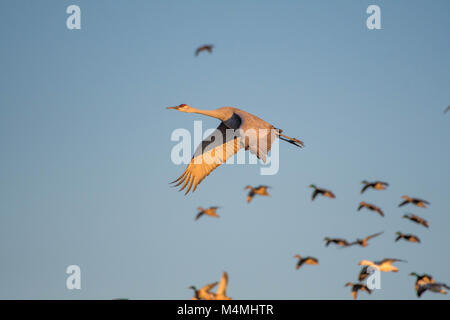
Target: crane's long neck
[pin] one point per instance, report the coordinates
(210, 113)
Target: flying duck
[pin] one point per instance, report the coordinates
(418, 202)
(365, 242)
(211, 211)
(306, 260)
(407, 237)
(356, 287)
(384, 265)
(206, 47)
(416, 219)
(421, 279)
(376, 185)
(324, 192)
(337, 241)
(372, 207)
(259, 190)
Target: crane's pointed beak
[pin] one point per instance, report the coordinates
(172, 107)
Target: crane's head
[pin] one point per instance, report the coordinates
(182, 107)
(298, 256)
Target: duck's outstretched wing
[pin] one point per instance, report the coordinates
(212, 152)
(222, 288)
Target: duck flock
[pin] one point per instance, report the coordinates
(195, 173)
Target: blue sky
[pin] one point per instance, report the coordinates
(85, 143)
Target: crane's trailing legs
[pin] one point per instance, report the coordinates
(294, 141)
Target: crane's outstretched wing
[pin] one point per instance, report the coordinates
(212, 152)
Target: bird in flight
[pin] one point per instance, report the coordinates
(211, 211)
(407, 237)
(221, 293)
(365, 242)
(238, 129)
(384, 265)
(376, 185)
(206, 47)
(421, 279)
(357, 287)
(372, 207)
(259, 190)
(416, 219)
(340, 242)
(418, 202)
(324, 192)
(446, 109)
(306, 260)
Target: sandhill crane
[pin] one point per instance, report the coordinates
(384, 265)
(407, 237)
(446, 109)
(421, 279)
(377, 185)
(306, 260)
(221, 293)
(206, 47)
(204, 293)
(371, 207)
(211, 211)
(324, 192)
(365, 242)
(356, 287)
(418, 202)
(437, 287)
(416, 219)
(338, 241)
(247, 131)
(259, 190)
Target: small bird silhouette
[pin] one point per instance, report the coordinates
(371, 207)
(446, 109)
(324, 192)
(365, 242)
(206, 47)
(407, 237)
(338, 241)
(211, 211)
(377, 185)
(421, 279)
(418, 202)
(259, 190)
(416, 219)
(306, 260)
